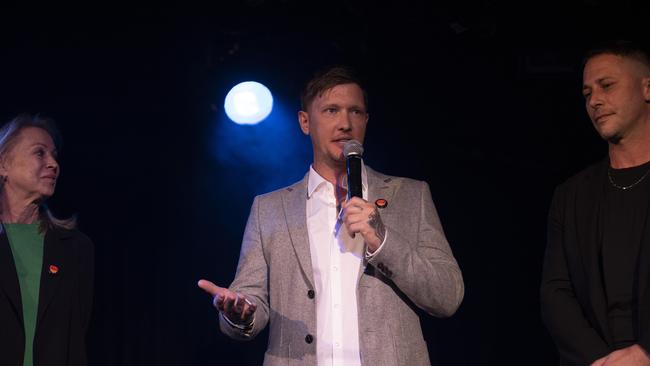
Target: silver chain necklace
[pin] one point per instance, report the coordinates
(611, 180)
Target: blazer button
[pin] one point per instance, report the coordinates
(309, 338)
(310, 294)
(380, 266)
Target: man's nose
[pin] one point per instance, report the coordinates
(345, 121)
(595, 100)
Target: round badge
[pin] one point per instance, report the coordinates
(381, 203)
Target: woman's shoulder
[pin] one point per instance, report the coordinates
(73, 235)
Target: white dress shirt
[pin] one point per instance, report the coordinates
(336, 260)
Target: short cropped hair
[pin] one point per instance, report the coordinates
(325, 80)
(623, 48)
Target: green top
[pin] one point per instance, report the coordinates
(26, 243)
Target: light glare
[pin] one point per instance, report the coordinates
(248, 103)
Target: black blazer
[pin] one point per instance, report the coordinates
(573, 302)
(64, 303)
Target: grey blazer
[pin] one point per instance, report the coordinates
(415, 268)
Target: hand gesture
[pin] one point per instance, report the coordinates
(235, 306)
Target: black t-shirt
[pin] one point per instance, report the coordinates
(623, 217)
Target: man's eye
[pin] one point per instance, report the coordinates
(607, 84)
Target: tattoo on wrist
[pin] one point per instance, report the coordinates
(374, 220)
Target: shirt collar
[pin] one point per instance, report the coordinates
(315, 180)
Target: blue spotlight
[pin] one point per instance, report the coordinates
(248, 103)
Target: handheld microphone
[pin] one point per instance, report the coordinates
(353, 150)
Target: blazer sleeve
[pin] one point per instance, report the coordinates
(425, 271)
(81, 312)
(86, 281)
(575, 338)
(251, 278)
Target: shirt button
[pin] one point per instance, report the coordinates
(309, 338)
(310, 294)
(335, 268)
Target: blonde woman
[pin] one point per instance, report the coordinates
(46, 265)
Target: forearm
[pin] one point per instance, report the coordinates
(250, 279)
(427, 274)
(562, 312)
(575, 338)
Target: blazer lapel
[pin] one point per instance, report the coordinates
(379, 186)
(295, 212)
(8, 276)
(588, 206)
(54, 269)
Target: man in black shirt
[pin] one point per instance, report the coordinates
(595, 296)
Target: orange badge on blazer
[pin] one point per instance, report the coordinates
(53, 269)
(381, 203)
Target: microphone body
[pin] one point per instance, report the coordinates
(354, 176)
(352, 150)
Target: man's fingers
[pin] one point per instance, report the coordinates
(238, 305)
(355, 219)
(600, 361)
(219, 294)
(248, 310)
(234, 305)
(210, 288)
(227, 305)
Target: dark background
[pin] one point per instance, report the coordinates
(481, 99)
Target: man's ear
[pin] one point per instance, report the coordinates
(646, 89)
(303, 120)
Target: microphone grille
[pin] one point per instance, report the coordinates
(352, 147)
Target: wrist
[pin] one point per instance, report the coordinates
(244, 325)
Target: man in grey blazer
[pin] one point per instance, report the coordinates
(339, 280)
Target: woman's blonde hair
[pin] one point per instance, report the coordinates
(8, 134)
